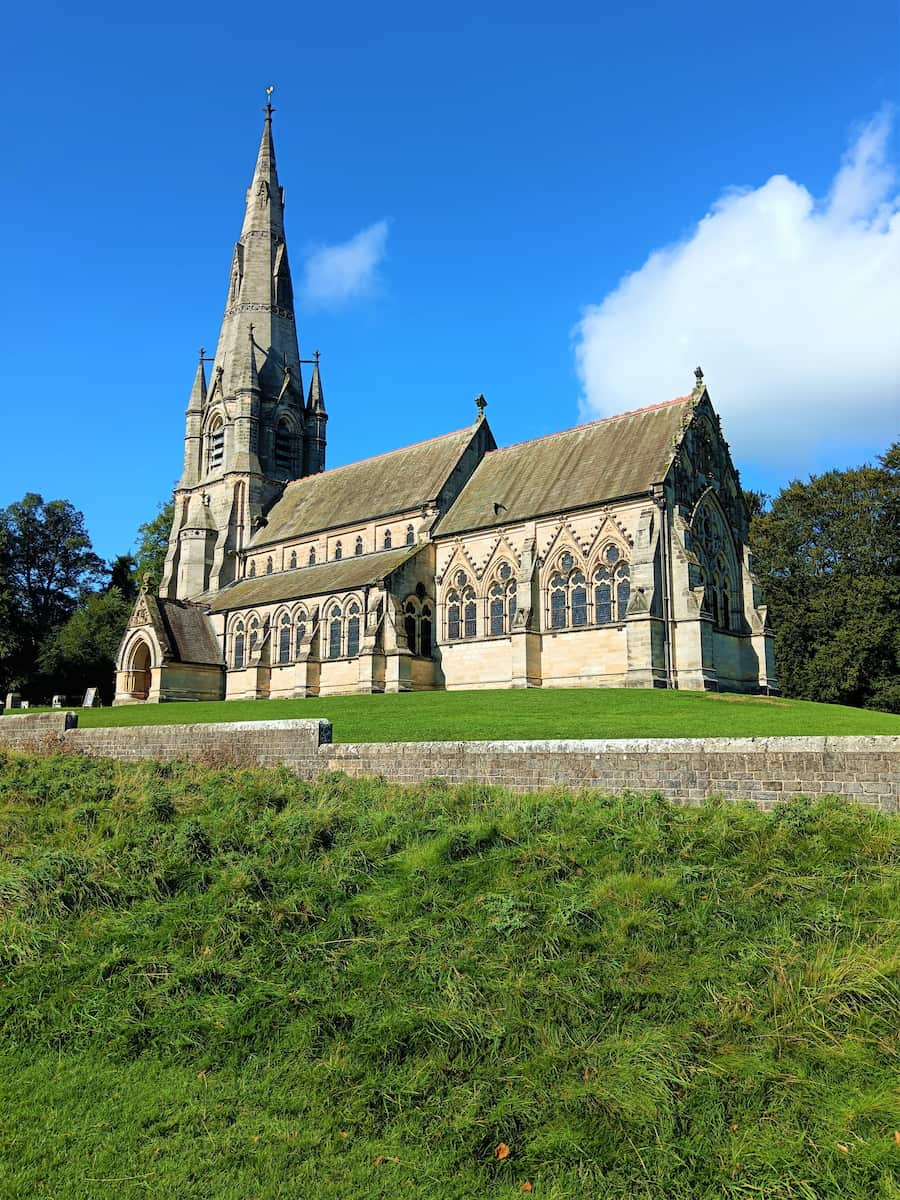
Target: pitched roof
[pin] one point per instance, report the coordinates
(376, 487)
(189, 632)
(320, 580)
(605, 460)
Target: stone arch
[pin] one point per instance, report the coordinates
(139, 665)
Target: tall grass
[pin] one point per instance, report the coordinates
(234, 984)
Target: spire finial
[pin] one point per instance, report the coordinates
(481, 405)
(698, 375)
(202, 353)
(316, 356)
(268, 110)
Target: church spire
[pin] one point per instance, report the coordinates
(260, 289)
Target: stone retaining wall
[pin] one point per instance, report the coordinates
(763, 770)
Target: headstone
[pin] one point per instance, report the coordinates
(91, 699)
(13, 700)
(26, 704)
(57, 701)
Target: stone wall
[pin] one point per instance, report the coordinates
(762, 770)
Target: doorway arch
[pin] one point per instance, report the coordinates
(139, 671)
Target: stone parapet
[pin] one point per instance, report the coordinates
(763, 771)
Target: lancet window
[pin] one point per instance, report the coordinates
(502, 601)
(388, 540)
(410, 535)
(284, 638)
(568, 593)
(575, 602)
(215, 444)
(462, 609)
(238, 652)
(269, 565)
(358, 548)
(284, 446)
(293, 559)
(312, 556)
(300, 620)
(338, 551)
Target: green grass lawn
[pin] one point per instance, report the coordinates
(533, 713)
(233, 985)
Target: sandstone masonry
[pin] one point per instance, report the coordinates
(686, 770)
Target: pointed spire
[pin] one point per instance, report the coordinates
(198, 391)
(316, 402)
(265, 200)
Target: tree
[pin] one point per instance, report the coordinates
(153, 545)
(48, 565)
(82, 652)
(827, 553)
(121, 576)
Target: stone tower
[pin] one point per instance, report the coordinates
(248, 429)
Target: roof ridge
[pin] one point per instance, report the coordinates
(546, 437)
(373, 457)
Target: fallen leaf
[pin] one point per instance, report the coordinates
(527, 1186)
(344, 1133)
(733, 1128)
(586, 1074)
(201, 1074)
(377, 1160)
(843, 1149)
(502, 1151)
(256, 1138)
(897, 1136)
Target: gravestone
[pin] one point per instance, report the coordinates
(26, 704)
(13, 700)
(91, 698)
(57, 701)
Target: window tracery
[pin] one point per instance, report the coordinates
(284, 638)
(238, 654)
(300, 620)
(418, 616)
(714, 547)
(502, 601)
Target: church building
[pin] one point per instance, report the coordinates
(613, 554)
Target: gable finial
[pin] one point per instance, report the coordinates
(481, 405)
(698, 376)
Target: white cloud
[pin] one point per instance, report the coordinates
(334, 274)
(791, 306)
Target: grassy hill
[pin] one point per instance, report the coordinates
(232, 984)
(533, 713)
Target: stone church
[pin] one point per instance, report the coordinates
(613, 554)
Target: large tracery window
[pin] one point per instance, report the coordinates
(713, 544)
(574, 603)
(462, 609)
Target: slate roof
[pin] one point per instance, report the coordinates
(376, 487)
(319, 580)
(189, 632)
(605, 460)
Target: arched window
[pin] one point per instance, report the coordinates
(470, 614)
(299, 631)
(252, 571)
(713, 545)
(284, 639)
(502, 601)
(569, 601)
(293, 559)
(284, 446)
(612, 588)
(387, 539)
(215, 444)
(411, 625)
(425, 631)
(410, 535)
(312, 556)
(338, 551)
(358, 549)
(353, 630)
(269, 566)
(238, 656)
(254, 635)
(453, 616)
(334, 633)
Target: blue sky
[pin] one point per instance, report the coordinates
(565, 209)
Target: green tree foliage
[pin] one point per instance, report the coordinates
(153, 543)
(47, 565)
(82, 652)
(827, 554)
(122, 576)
